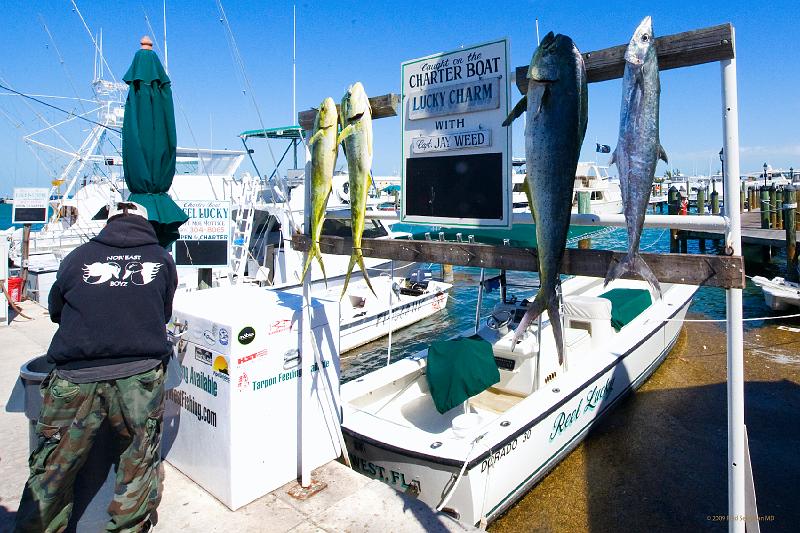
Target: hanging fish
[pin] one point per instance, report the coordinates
(356, 119)
(556, 105)
(324, 150)
(638, 148)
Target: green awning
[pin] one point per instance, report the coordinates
(459, 369)
(285, 132)
(626, 304)
(149, 144)
(392, 188)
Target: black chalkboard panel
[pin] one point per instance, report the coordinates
(201, 253)
(25, 215)
(462, 186)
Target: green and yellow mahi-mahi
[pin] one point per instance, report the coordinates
(324, 150)
(356, 120)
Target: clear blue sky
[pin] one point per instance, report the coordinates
(341, 42)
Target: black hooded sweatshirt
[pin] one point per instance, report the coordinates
(112, 298)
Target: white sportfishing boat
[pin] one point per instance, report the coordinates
(477, 458)
(779, 294)
(398, 302)
(604, 194)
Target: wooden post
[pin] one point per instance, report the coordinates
(764, 207)
(790, 206)
(715, 201)
(584, 207)
(701, 200)
(673, 206)
(779, 208)
(26, 241)
(773, 207)
(741, 197)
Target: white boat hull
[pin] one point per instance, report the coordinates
(520, 446)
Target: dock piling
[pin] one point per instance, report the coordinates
(701, 200)
(773, 206)
(742, 198)
(673, 206)
(790, 211)
(764, 208)
(715, 201)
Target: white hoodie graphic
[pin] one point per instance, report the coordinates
(99, 273)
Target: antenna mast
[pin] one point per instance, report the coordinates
(166, 57)
(294, 64)
(537, 32)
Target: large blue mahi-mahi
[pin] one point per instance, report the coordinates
(556, 103)
(638, 148)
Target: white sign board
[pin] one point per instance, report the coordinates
(204, 238)
(30, 205)
(456, 152)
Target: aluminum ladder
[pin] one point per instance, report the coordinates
(243, 227)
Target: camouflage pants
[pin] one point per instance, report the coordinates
(70, 418)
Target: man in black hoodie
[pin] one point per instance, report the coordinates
(112, 298)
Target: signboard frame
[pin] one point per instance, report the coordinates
(496, 138)
(200, 246)
(39, 200)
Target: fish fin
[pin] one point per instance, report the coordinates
(544, 99)
(613, 157)
(317, 136)
(662, 154)
(535, 309)
(322, 266)
(634, 263)
(555, 324)
(520, 108)
(346, 132)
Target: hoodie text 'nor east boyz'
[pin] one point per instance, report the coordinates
(112, 297)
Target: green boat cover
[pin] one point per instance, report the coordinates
(626, 304)
(459, 369)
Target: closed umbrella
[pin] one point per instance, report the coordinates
(149, 142)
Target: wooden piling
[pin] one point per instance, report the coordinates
(715, 201)
(773, 207)
(701, 200)
(742, 199)
(584, 207)
(790, 215)
(764, 206)
(673, 206)
(779, 209)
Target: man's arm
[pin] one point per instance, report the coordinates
(172, 284)
(55, 302)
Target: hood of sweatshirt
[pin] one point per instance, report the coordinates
(127, 231)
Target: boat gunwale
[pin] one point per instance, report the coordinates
(524, 427)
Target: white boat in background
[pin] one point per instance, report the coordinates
(779, 294)
(604, 194)
(478, 458)
(365, 317)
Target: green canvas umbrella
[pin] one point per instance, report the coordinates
(149, 142)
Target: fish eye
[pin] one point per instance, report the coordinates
(645, 38)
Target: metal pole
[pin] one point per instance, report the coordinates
(391, 324)
(736, 429)
(306, 359)
(480, 301)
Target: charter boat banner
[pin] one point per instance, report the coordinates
(205, 237)
(456, 152)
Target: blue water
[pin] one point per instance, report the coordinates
(459, 314)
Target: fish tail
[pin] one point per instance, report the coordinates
(634, 263)
(322, 266)
(360, 259)
(555, 323)
(347, 276)
(312, 253)
(535, 309)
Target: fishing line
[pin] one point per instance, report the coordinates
(70, 113)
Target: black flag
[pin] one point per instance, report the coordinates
(603, 148)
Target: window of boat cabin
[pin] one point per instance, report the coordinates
(342, 228)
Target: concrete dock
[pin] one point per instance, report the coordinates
(350, 502)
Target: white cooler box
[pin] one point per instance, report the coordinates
(232, 425)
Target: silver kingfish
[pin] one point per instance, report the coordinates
(638, 148)
(556, 105)
(324, 150)
(356, 134)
